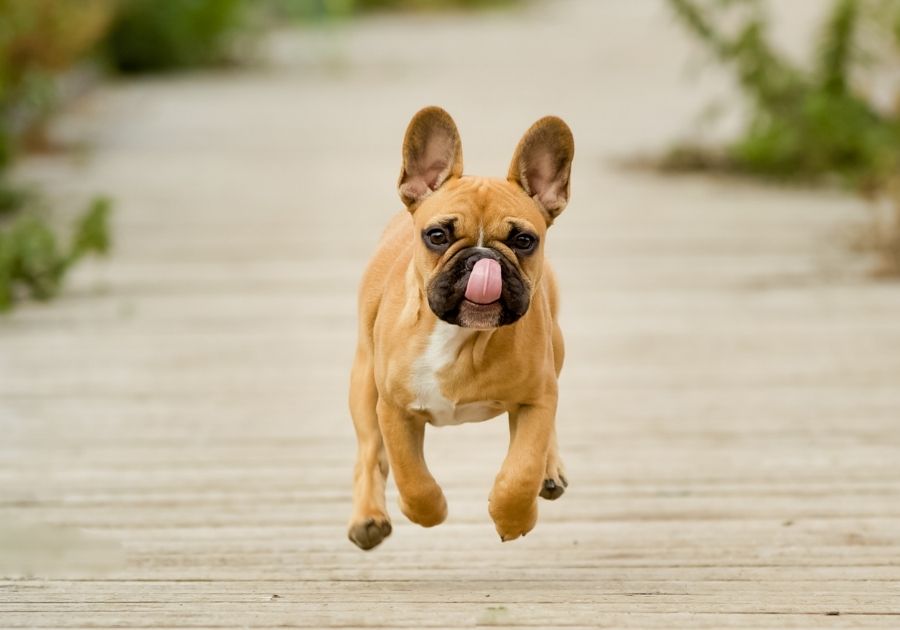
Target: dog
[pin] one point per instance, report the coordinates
(458, 323)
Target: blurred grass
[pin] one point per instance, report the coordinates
(805, 123)
(39, 39)
(318, 9)
(160, 35)
(165, 35)
(33, 262)
(810, 123)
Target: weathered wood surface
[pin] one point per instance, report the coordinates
(730, 411)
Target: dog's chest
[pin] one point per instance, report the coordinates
(442, 348)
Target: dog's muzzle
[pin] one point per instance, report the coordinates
(479, 288)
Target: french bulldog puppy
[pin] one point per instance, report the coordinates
(457, 323)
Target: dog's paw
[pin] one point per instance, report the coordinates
(512, 519)
(554, 488)
(369, 533)
(555, 482)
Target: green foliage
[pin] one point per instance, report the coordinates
(92, 232)
(39, 38)
(804, 123)
(317, 9)
(160, 35)
(6, 148)
(11, 199)
(31, 258)
(427, 4)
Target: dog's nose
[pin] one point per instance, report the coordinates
(474, 254)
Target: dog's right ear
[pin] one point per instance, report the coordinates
(432, 154)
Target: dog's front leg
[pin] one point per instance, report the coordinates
(513, 501)
(421, 498)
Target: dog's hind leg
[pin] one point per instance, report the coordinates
(555, 482)
(369, 523)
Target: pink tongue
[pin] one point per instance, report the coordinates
(485, 282)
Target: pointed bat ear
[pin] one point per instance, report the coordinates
(542, 164)
(432, 154)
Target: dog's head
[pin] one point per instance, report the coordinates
(480, 244)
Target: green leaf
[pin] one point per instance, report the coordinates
(92, 232)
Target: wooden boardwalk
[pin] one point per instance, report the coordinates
(175, 449)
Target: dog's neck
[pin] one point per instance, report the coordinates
(447, 341)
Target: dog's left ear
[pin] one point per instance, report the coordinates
(432, 154)
(542, 164)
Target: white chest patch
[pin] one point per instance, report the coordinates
(442, 349)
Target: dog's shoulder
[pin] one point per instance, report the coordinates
(394, 247)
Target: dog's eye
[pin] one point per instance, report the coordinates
(437, 237)
(524, 242)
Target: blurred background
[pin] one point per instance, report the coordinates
(810, 95)
(198, 184)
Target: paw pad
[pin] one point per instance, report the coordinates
(369, 533)
(552, 490)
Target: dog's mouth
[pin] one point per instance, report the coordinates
(478, 288)
(475, 315)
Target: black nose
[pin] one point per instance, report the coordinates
(474, 254)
